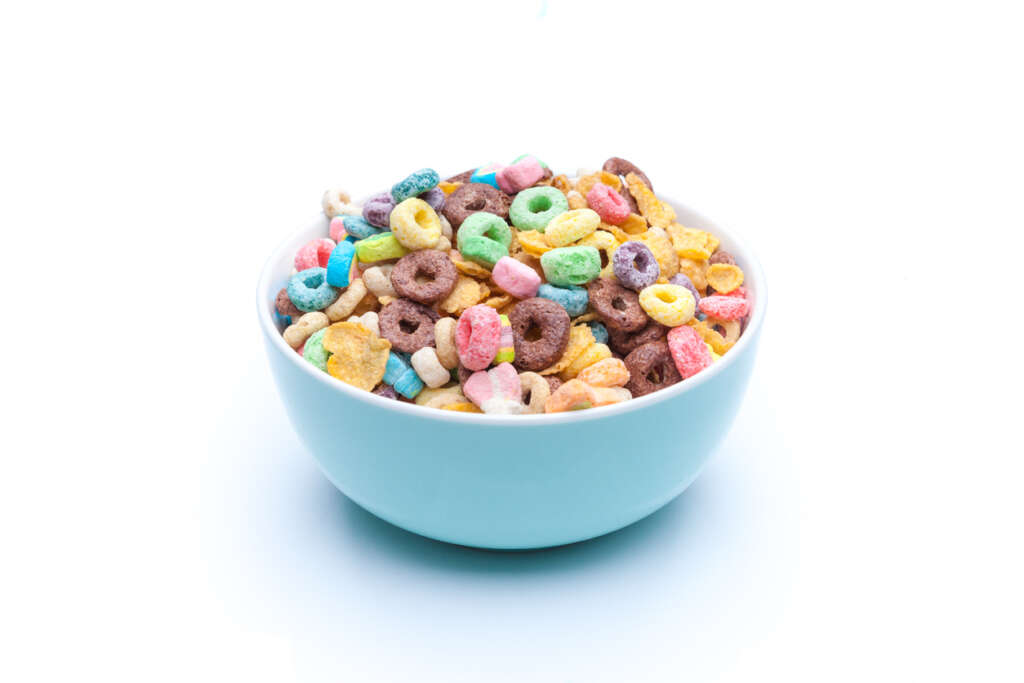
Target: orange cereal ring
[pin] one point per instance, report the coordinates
(573, 395)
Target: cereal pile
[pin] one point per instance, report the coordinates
(508, 289)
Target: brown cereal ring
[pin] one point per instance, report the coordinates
(651, 368)
(472, 198)
(540, 330)
(461, 177)
(722, 256)
(618, 307)
(621, 167)
(409, 326)
(284, 305)
(424, 276)
(624, 342)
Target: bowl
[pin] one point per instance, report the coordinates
(511, 481)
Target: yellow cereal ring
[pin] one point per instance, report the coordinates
(358, 355)
(724, 277)
(605, 243)
(710, 336)
(580, 338)
(468, 292)
(571, 226)
(464, 407)
(633, 225)
(650, 206)
(658, 241)
(415, 224)
(590, 355)
(608, 372)
(695, 270)
(533, 242)
(670, 305)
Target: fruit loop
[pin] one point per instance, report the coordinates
(508, 289)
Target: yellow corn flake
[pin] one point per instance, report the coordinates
(497, 302)
(670, 213)
(447, 187)
(467, 267)
(658, 241)
(650, 206)
(533, 242)
(464, 407)
(724, 277)
(585, 184)
(468, 292)
(710, 336)
(576, 200)
(386, 299)
(695, 270)
(634, 224)
(590, 355)
(617, 232)
(426, 394)
(562, 182)
(605, 243)
(689, 242)
(580, 337)
(359, 356)
(586, 318)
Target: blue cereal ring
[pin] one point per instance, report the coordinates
(309, 290)
(573, 299)
(599, 331)
(339, 265)
(314, 350)
(398, 373)
(486, 174)
(417, 183)
(360, 228)
(394, 368)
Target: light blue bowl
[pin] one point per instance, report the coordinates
(510, 482)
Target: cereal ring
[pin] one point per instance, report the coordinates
(484, 238)
(339, 264)
(635, 266)
(724, 277)
(725, 307)
(309, 290)
(554, 381)
(533, 208)
(670, 305)
(571, 265)
(487, 175)
(414, 184)
(370, 320)
(728, 329)
(380, 247)
(409, 326)
(377, 209)
(478, 336)
(599, 331)
(378, 280)
(719, 344)
(605, 396)
(571, 226)
(424, 276)
(621, 167)
(572, 299)
(722, 256)
(660, 244)
(336, 229)
(590, 355)
(415, 225)
(608, 204)
(427, 365)
(461, 177)
(535, 392)
(609, 372)
(651, 368)
(573, 395)
(314, 254)
(401, 376)
(506, 345)
(606, 243)
(385, 391)
(473, 197)
(296, 334)
(467, 292)
(625, 342)
(618, 307)
(435, 196)
(519, 175)
(689, 352)
(497, 391)
(444, 340)
(347, 302)
(359, 227)
(358, 356)
(586, 181)
(313, 350)
(541, 333)
(337, 202)
(515, 277)
(284, 307)
(683, 281)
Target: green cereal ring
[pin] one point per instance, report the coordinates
(484, 238)
(314, 350)
(571, 265)
(381, 247)
(535, 206)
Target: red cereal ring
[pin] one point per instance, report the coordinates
(608, 203)
(478, 336)
(424, 276)
(725, 307)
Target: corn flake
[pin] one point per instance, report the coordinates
(650, 206)
(358, 355)
(468, 292)
(580, 338)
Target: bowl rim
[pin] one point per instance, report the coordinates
(753, 274)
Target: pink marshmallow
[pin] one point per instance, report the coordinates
(520, 175)
(515, 277)
(497, 390)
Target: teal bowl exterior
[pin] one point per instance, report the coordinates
(510, 482)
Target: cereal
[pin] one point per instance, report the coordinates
(580, 339)
(398, 372)
(309, 290)
(571, 226)
(468, 267)
(448, 187)
(576, 200)
(484, 238)
(650, 206)
(650, 368)
(535, 392)
(487, 175)
(370, 320)
(728, 329)
(683, 281)
(724, 277)
(618, 307)
(424, 276)
(339, 264)
(336, 229)
(377, 210)
(658, 241)
(506, 345)
(540, 331)
(515, 277)
(347, 302)
(670, 305)
(608, 203)
(533, 208)
(623, 342)
(533, 242)
(435, 197)
(606, 243)
(464, 407)
(314, 352)
(467, 292)
(608, 372)
(296, 334)
(571, 265)
(722, 256)
(358, 356)
(725, 307)
(590, 355)
(380, 247)
(473, 197)
(496, 391)
(314, 254)
(384, 391)
(519, 175)
(335, 202)
(621, 167)
(689, 352)
(427, 365)
(587, 181)
(409, 326)
(599, 331)
(573, 395)
(477, 336)
(378, 281)
(573, 299)
(634, 224)
(561, 183)
(635, 266)
(284, 307)
(360, 228)
(694, 270)
(719, 344)
(414, 184)
(415, 224)
(444, 340)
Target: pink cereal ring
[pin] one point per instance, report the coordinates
(609, 204)
(478, 336)
(515, 277)
(314, 254)
(689, 352)
(337, 229)
(519, 175)
(497, 390)
(725, 307)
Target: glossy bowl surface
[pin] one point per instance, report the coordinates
(511, 482)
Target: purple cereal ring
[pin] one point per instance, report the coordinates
(377, 210)
(435, 197)
(635, 266)
(684, 281)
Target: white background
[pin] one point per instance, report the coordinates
(862, 521)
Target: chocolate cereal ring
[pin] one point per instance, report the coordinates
(424, 276)
(624, 342)
(540, 329)
(621, 167)
(461, 177)
(722, 256)
(650, 368)
(470, 198)
(409, 326)
(618, 307)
